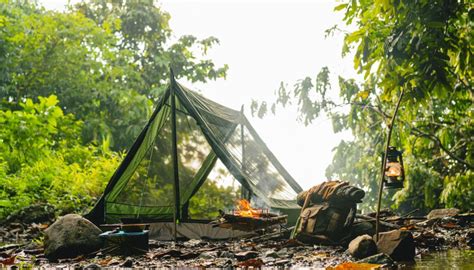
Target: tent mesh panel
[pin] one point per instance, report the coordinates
(206, 132)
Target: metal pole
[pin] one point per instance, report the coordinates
(384, 165)
(245, 193)
(176, 215)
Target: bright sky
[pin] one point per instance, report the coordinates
(265, 42)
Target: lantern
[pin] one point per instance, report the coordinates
(394, 170)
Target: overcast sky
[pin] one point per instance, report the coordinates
(264, 43)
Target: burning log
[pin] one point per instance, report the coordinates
(249, 223)
(246, 218)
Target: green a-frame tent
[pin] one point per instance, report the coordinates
(176, 151)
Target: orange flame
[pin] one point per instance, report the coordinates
(245, 210)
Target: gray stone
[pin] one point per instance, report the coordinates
(193, 243)
(271, 253)
(283, 253)
(362, 246)
(245, 255)
(208, 255)
(267, 260)
(226, 254)
(397, 244)
(380, 258)
(92, 266)
(441, 213)
(71, 236)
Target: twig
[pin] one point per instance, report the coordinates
(271, 235)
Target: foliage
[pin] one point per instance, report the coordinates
(41, 159)
(107, 61)
(423, 48)
(212, 198)
(73, 84)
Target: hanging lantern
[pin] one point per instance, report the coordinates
(394, 170)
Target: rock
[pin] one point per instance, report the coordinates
(208, 255)
(226, 254)
(92, 266)
(470, 238)
(441, 213)
(282, 262)
(127, 263)
(283, 253)
(245, 255)
(267, 260)
(193, 243)
(380, 258)
(71, 236)
(362, 246)
(397, 244)
(271, 253)
(74, 266)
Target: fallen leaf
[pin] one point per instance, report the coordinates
(408, 228)
(8, 261)
(251, 263)
(171, 252)
(449, 225)
(104, 262)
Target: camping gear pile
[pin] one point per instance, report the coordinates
(328, 212)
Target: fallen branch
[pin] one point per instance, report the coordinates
(386, 224)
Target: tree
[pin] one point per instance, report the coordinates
(107, 61)
(423, 48)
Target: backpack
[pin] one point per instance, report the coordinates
(325, 223)
(329, 214)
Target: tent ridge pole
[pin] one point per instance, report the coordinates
(176, 216)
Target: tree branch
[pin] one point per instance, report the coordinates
(438, 142)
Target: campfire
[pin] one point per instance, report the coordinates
(244, 209)
(246, 218)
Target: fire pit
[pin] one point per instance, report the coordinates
(246, 218)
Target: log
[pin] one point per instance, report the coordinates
(249, 223)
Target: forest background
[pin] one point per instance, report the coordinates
(77, 86)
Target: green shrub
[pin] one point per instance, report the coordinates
(42, 159)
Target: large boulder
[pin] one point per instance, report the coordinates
(71, 236)
(442, 213)
(397, 244)
(362, 246)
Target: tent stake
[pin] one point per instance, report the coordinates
(176, 215)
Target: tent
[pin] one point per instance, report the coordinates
(175, 153)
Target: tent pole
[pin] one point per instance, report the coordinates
(176, 215)
(245, 193)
